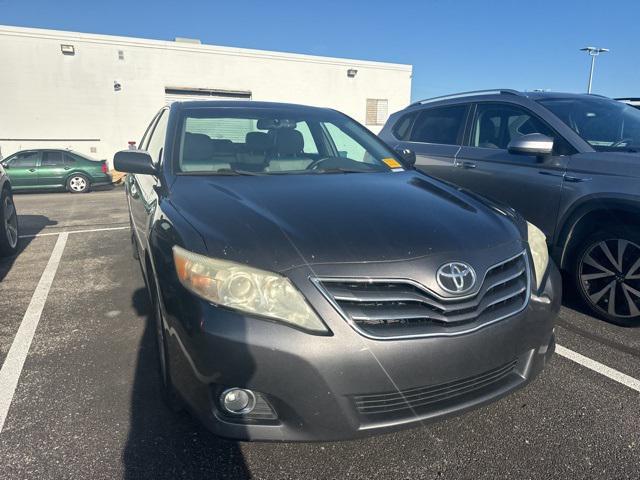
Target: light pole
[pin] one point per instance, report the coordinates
(593, 53)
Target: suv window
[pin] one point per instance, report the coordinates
(52, 159)
(439, 125)
(402, 128)
(497, 124)
(156, 142)
(25, 160)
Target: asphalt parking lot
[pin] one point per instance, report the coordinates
(86, 402)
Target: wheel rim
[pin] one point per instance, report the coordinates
(78, 184)
(10, 221)
(609, 273)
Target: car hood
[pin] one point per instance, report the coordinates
(623, 164)
(278, 222)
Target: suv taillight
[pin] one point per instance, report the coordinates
(104, 167)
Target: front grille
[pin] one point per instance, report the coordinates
(401, 308)
(422, 399)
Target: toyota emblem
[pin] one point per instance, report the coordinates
(456, 277)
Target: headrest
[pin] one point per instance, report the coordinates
(197, 146)
(289, 141)
(258, 141)
(222, 145)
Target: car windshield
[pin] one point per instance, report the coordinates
(606, 124)
(263, 141)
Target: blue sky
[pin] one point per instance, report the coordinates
(453, 45)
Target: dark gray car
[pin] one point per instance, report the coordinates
(309, 286)
(8, 218)
(568, 162)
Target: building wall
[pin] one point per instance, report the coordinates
(53, 100)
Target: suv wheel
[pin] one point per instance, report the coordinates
(8, 225)
(607, 275)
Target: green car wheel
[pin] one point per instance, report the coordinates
(78, 184)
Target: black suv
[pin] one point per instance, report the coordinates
(8, 218)
(570, 163)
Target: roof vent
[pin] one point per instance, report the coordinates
(195, 41)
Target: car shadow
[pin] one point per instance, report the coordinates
(29, 226)
(162, 444)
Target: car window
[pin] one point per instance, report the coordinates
(347, 147)
(52, 159)
(496, 125)
(606, 124)
(69, 159)
(309, 143)
(402, 128)
(277, 141)
(156, 141)
(25, 160)
(441, 125)
(144, 141)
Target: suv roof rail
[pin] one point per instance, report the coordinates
(507, 91)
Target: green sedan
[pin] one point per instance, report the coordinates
(55, 169)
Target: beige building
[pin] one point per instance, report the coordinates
(95, 93)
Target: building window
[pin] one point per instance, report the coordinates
(377, 111)
(120, 54)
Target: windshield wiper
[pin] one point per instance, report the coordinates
(233, 171)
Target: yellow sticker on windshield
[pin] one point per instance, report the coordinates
(392, 163)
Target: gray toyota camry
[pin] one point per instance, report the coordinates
(309, 284)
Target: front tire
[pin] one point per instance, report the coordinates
(606, 273)
(169, 394)
(78, 183)
(9, 235)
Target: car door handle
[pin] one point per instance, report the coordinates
(569, 178)
(464, 164)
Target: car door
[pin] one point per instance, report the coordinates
(23, 169)
(52, 171)
(143, 198)
(530, 184)
(435, 135)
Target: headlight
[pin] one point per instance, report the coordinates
(539, 252)
(243, 288)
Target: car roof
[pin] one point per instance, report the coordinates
(244, 104)
(501, 93)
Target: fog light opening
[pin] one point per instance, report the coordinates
(238, 401)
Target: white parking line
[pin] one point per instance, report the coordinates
(106, 229)
(602, 369)
(12, 367)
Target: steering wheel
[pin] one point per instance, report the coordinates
(619, 143)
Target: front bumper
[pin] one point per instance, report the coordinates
(345, 385)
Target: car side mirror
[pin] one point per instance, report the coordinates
(408, 155)
(4, 164)
(531, 144)
(134, 161)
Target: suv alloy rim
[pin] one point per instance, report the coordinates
(10, 221)
(610, 277)
(78, 184)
